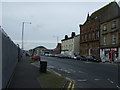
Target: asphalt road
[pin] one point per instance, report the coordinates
(86, 74)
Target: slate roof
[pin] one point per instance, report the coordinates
(108, 12)
(119, 3)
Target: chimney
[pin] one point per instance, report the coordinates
(66, 36)
(73, 34)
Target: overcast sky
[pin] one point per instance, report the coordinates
(49, 20)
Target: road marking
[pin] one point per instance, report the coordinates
(73, 87)
(118, 86)
(60, 69)
(87, 62)
(50, 66)
(69, 85)
(110, 80)
(80, 72)
(67, 71)
(96, 79)
(82, 80)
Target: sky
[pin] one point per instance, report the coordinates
(49, 20)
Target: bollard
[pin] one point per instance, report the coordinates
(43, 66)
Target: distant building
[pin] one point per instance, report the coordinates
(70, 45)
(57, 50)
(90, 30)
(39, 50)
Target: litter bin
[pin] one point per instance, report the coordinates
(43, 66)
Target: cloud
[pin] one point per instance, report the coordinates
(56, 0)
(35, 41)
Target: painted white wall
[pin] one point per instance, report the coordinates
(72, 45)
(0, 59)
(68, 45)
(77, 44)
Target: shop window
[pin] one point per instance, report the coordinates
(113, 25)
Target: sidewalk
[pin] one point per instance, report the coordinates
(28, 76)
(25, 75)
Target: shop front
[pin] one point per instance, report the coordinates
(110, 54)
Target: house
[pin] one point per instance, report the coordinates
(90, 30)
(70, 45)
(110, 39)
(57, 50)
(40, 50)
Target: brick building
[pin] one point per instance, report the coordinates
(57, 50)
(90, 30)
(89, 37)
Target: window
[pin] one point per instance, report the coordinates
(93, 35)
(89, 36)
(86, 37)
(113, 39)
(113, 24)
(104, 27)
(97, 34)
(105, 40)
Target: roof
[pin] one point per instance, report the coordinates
(119, 3)
(110, 11)
(67, 38)
(40, 47)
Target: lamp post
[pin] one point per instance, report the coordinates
(57, 38)
(23, 24)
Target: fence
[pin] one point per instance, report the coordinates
(9, 52)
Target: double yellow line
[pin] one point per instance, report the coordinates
(71, 85)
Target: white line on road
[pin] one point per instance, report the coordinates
(110, 80)
(50, 66)
(96, 79)
(82, 80)
(87, 62)
(80, 72)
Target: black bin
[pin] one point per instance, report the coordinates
(43, 66)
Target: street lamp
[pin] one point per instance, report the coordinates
(23, 30)
(57, 38)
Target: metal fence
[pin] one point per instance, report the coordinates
(0, 59)
(10, 52)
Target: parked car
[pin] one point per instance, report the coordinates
(80, 58)
(93, 58)
(36, 58)
(73, 57)
(61, 56)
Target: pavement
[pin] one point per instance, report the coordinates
(27, 76)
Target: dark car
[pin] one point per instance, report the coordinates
(80, 58)
(93, 58)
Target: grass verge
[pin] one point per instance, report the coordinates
(33, 61)
(51, 80)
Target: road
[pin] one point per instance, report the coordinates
(85, 74)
